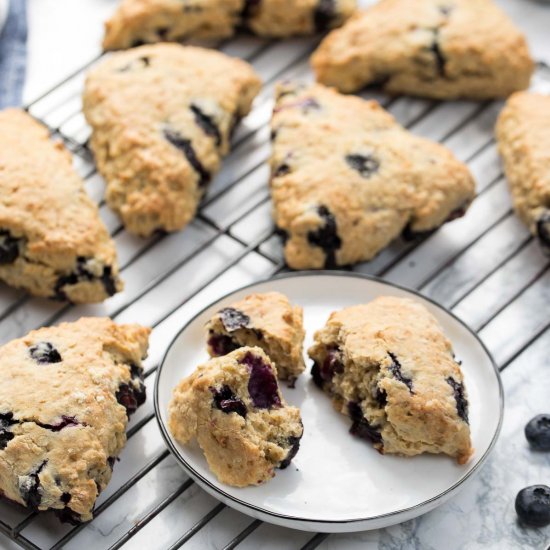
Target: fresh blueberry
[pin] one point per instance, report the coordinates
(186, 147)
(294, 443)
(537, 432)
(9, 248)
(324, 15)
(220, 344)
(226, 401)
(361, 427)
(460, 398)
(395, 369)
(326, 236)
(45, 353)
(6, 420)
(543, 229)
(262, 385)
(366, 165)
(29, 487)
(533, 505)
(232, 319)
(207, 123)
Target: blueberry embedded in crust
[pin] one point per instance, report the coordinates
(294, 443)
(395, 369)
(186, 147)
(367, 165)
(207, 123)
(250, 8)
(543, 229)
(326, 236)
(226, 401)
(232, 319)
(262, 384)
(45, 353)
(9, 247)
(306, 105)
(361, 427)
(29, 487)
(440, 59)
(324, 15)
(6, 420)
(460, 398)
(133, 394)
(220, 344)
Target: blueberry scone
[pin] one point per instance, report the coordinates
(65, 398)
(435, 48)
(523, 133)
(52, 240)
(137, 22)
(266, 320)
(389, 367)
(233, 406)
(162, 118)
(347, 179)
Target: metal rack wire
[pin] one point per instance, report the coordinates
(439, 266)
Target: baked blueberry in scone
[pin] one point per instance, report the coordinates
(162, 118)
(65, 398)
(347, 179)
(52, 240)
(233, 406)
(267, 320)
(138, 22)
(523, 134)
(442, 49)
(389, 367)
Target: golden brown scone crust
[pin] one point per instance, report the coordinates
(435, 48)
(388, 365)
(242, 441)
(63, 412)
(523, 133)
(162, 118)
(52, 240)
(137, 22)
(347, 179)
(267, 320)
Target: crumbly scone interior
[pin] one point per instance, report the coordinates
(243, 443)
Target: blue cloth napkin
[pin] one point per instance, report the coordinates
(13, 54)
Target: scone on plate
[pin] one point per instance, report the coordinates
(442, 49)
(347, 179)
(65, 398)
(233, 406)
(267, 320)
(162, 118)
(137, 22)
(389, 367)
(52, 241)
(523, 134)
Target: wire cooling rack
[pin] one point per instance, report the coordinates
(485, 267)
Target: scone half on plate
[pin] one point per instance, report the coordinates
(267, 320)
(389, 367)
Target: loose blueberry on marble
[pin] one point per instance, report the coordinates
(232, 319)
(537, 432)
(262, 385)
(366, 165)
(45, 353)
(226, 401)
(461, 402)
(326, 236)
(9, 248)
(533, 505)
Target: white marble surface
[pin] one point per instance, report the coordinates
(484, 266)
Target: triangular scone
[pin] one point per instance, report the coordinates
(52, 240)
(523, 133)
(138, 22)
(65, 398)
(162, 118)
(347, 178)
(435, 48)
(267, 320)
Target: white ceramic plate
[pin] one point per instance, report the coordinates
(338, 483)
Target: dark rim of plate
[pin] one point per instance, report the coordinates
(255, 510)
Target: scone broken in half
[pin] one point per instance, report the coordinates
(442, 49)
(53, 243)
(389, 367)
(267, 320)
(65, 398)
(233, 406)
